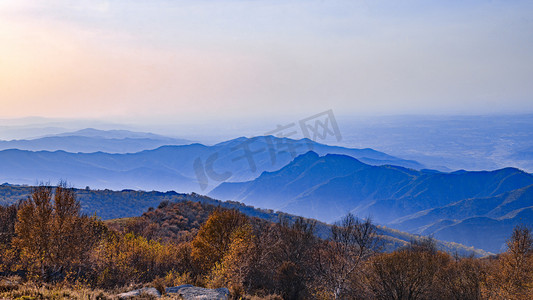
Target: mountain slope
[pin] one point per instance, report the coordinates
(476, 219)
(384, 192)
(483, 232)
(109, 204)
(500, 206)
(416, 201)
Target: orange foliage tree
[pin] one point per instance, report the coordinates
(512, 275)
(214, 237)
(54, 237)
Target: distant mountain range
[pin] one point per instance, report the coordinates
(301, 177)
(474, 208)
(187, 168)
(93, 140)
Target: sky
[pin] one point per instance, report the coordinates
(160, 61)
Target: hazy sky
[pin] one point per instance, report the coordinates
(165, 60)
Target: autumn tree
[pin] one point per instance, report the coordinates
(214, 237)
(122, 259)
(352, 242)
(461, 279)
(407, 274)
(54, 235)
(235, 268)
(512, 277)
(285, 261)
(34, 229)
(8, 218)
(70, 229)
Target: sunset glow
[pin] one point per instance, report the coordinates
(233, 58)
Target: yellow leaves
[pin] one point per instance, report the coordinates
(235, 266)
(512, 275)
(53, 236)
(127, 258)
(223, 250)
(214, 237)
(175, 278)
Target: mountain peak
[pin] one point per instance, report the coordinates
(308, 156)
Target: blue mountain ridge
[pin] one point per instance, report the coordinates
(327, 187)
(176, 167)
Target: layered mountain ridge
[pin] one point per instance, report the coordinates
(425, 202)
(187, 168)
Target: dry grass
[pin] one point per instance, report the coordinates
(9, 289)
(267, 297)
(30, 291)
(13, 288)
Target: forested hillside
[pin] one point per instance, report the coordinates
(108, 204)
(50, 248)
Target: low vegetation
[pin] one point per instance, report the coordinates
(50, 250)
